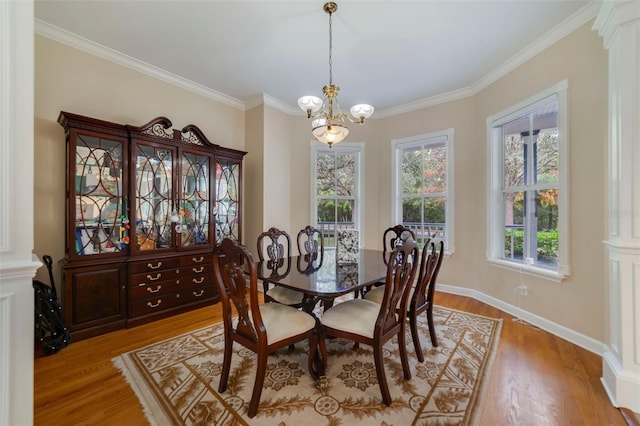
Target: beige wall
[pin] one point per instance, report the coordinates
(277, 166)
(67, 79)
(577, 303)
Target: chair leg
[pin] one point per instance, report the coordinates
(382, 378)
(314, 370)
(432, 329)
(402, 343)
(226, 363)
(413, 324)
(257, 386)
(322, 345)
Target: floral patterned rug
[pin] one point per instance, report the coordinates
(176, 380)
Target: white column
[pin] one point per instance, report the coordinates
(618, 22)
(17, 266)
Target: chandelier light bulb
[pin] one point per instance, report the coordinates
(310, 104)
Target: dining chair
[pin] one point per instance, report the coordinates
(277, 246)
(391, 237)
(262, 328)
(421, 294)
(310, 244)
(367, 322)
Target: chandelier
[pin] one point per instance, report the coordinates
(327, 119)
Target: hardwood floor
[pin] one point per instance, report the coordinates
(536, 379)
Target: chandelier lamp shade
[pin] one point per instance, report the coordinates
(327, 120)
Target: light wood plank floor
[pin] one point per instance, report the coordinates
(537, 378)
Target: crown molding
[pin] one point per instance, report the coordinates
(70, 39)
(569, 25)
(563, 29)
(265, 99)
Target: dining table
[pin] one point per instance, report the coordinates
(325, 277)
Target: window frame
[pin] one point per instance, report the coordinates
(495, 177)
(433, 138)
(351, 147)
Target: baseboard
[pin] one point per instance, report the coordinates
(586, 342)
(622, 387)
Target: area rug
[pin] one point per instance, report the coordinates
(176, 380)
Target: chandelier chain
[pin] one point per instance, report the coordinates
(330, 49)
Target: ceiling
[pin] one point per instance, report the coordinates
(395, 55)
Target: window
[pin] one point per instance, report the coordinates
(336, 188)
(528, 179)
(423, 185)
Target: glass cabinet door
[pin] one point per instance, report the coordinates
(194, 216)
(227, 200)
(154, 203)
(100, 216)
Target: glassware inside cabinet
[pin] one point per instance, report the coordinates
(154, 197)
(227, 199)
(100, 215)
(193, 218)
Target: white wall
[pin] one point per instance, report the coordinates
(17, 266)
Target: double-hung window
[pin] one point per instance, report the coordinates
(336, 188)
(422, 173)
(528, 185)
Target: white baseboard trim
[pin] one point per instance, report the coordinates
(622, 386)
(563, 332)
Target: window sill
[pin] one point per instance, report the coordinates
(532, 270)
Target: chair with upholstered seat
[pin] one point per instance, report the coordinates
(422, 294)
(277, 246)
(390, 239)
(370, 323)
(310, 244)
(261, 328)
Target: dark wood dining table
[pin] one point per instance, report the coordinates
(324, 278)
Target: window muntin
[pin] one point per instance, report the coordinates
(423, 176)
(336, 203)
(528, 177)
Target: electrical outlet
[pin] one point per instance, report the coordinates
(522, 290)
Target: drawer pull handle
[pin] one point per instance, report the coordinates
(151, 305)
(150, 290)
(199, 260)
(150, 266)
(198, 270)
(198, 294)
(156, 278)
(198, 280)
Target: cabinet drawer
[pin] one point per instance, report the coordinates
(197, 270)
(196, 259)
(154, 265)
(160, 303)
(152, 278)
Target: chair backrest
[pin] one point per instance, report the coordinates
(310, 243)
(276, 244)
(401, 270)
(310, 249)
(393, 236)
(231, 262)
(430, 262)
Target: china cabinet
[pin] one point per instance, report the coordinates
(145, 207)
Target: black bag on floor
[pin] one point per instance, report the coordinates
(50, 330)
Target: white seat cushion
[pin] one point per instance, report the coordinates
(375, 295)
(356, 316)
(285, 295)
(282, 321)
